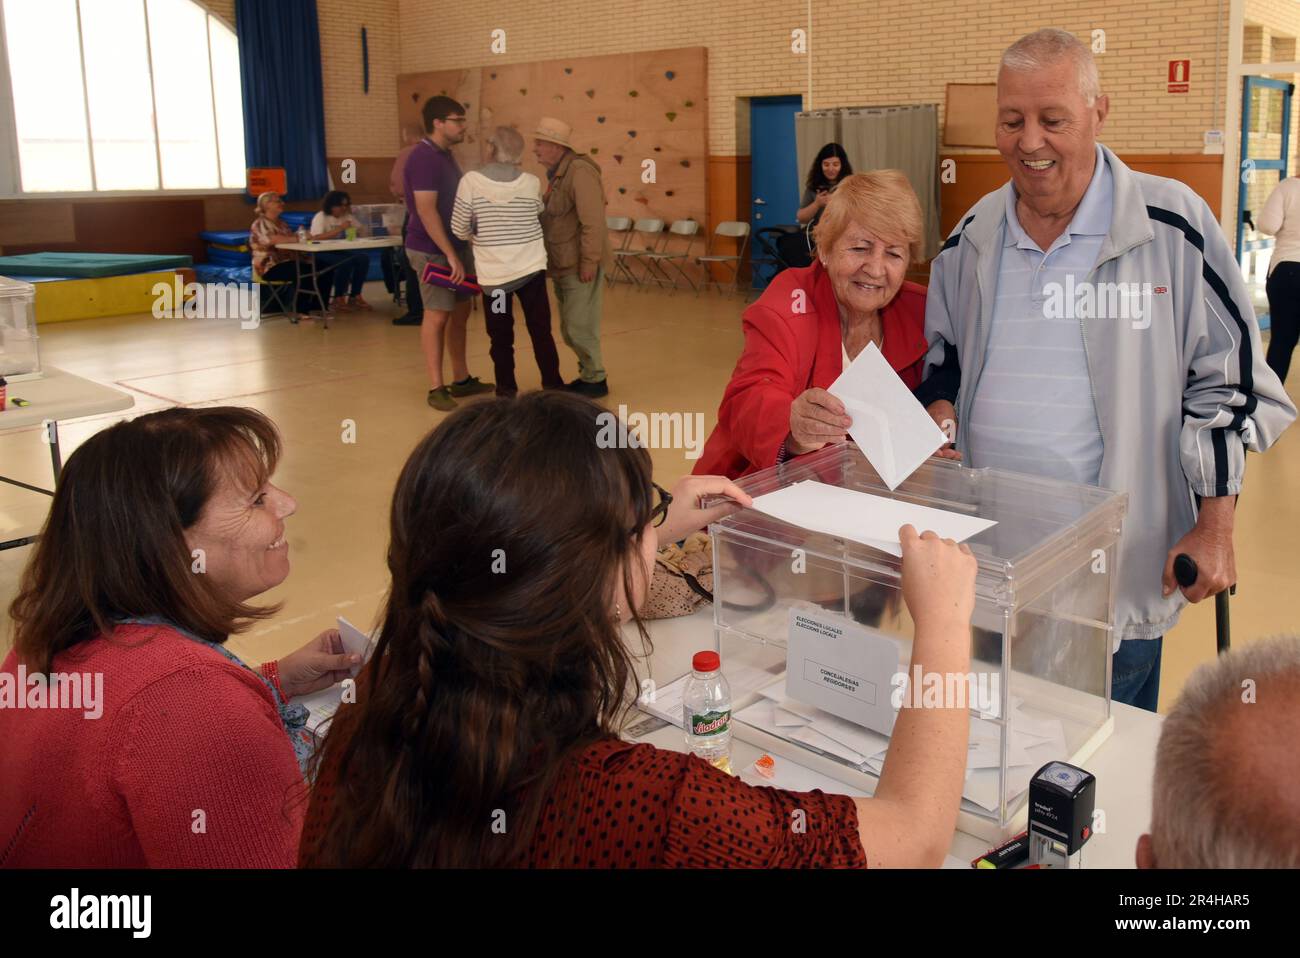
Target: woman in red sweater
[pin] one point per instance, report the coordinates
(485, 728)
(810, 323)
(150, 745)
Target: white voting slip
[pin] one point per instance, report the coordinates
(862, 517)
(891, 428)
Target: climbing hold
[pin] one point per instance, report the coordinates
(631, 132)
(669, 74)
(671, 116)
(689, 103)
(686, 162)
(590, 94)
(600, 119)
(631, 93)
(568, 70)
(622, 189)
(618, 158)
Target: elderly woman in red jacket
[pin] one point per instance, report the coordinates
(812, 322)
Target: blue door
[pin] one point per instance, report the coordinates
(1265, 109)
(774, 178)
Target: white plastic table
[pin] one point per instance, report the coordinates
(54, 396)
(314, 247)
(1123, 764)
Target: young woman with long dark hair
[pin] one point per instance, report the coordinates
(485, 732)
(828, 168)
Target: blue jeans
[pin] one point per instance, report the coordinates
(1135, 673)
(349, 275)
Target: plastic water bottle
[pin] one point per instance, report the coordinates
(706, 708)
(302, 234)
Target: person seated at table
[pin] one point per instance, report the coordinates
(176, 754)
(497, 209)
(485, 729)
(810, 323)
(346, 269)
(265, 237)
(1227, 781)
(829, 167)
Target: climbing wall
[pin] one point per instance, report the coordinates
(625, 109)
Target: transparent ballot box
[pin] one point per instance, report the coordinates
(381, 219)
(19, 356)
(815, 638)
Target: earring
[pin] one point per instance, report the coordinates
(618, 612)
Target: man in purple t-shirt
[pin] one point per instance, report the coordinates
(429, 181)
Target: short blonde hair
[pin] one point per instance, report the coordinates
(883, 201)
(264, 198)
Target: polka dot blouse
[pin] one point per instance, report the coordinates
(625, 805)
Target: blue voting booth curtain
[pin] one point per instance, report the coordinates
(284, 103)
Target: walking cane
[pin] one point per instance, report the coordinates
(1185, 572)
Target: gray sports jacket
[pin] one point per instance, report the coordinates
(1178, 375)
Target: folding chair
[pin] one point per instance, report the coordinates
(729, 230)
(651, 232)
(621, 226)
(275, 288)
(657, 262)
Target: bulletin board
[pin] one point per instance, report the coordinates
(625, 109)
(970, 114)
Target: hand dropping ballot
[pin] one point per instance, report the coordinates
(891, 428)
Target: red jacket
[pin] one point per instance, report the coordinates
(787, 353)
(183, 730)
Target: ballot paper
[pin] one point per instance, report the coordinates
(862, 517)
(322, 705)
(891, 428)
(665, 701)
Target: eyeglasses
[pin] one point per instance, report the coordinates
(660, 512)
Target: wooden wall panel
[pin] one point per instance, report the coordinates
(24, 222)
(980, 173)
(623, 108)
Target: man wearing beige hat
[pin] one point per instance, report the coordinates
(578, 252)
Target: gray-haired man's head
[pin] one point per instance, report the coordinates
(1050, 112)
(1227, 779)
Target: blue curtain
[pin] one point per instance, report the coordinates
(284, 102)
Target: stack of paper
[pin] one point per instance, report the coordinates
(1033, 742)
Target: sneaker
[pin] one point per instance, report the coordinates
(414, 319)
(358, 302)
(470, 386)
(594, 390)
(440, 399)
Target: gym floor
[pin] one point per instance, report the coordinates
(664, 352)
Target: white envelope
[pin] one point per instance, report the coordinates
(891, 428)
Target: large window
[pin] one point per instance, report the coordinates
(120, 95)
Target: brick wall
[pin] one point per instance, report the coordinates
(860, 54)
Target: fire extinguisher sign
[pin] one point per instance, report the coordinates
(1180, 75)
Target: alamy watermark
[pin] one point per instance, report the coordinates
(981, 691)
(241, 301)
(658, 430)
(1130, 302)
(61, 690)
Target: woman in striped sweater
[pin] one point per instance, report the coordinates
(497, 209)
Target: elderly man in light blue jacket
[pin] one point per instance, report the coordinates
(1089, 323)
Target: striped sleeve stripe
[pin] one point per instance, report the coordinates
(1245, 358)
(955, 238)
